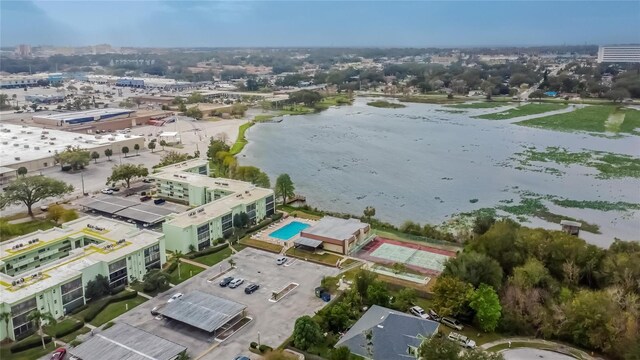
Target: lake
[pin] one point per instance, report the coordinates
(424, 164)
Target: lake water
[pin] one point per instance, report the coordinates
(423, 164)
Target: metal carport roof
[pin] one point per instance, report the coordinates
(108, 204)
(145, 213)
(307, 242)
(203, 311)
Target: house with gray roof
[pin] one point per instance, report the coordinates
(393, 335)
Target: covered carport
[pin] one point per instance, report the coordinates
(307, 244)
(129, 209)
(205, 312)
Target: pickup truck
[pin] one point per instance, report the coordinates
(461, 340)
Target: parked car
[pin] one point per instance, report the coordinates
(434, 315)
(251, 288)
(419, 312)
(241, 358)
(235, 283)
(461, 340)
(175, 297)
(452, 323)
(146, 180)
(59, 354)
(159, 201)
(145, 198)
(281, 260)
(226, 281)
(154, 311)
(107, 191)
(113, 188)
(44, 208)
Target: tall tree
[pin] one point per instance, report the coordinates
(438, 348)
(364, 279)
(125, 150)
(487, 306)
(284, 187)
(475, 268)
(127, 172)
(377, 294)
(451, 295)
(97, 288)
(155, 279)
(152, 146)
(30, 190)
(306, 333)
(39, 318)
(177, 257)
(136, 147)
(108, 153)
(75, 156)
(95, 156)
(369, 212)
(22, 171)
(163, 143)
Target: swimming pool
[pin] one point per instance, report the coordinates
(288, 231)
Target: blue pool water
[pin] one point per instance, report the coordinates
(290, 230)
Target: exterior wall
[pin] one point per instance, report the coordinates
(332, 247)
(177, 238)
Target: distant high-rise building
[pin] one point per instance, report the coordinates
(23, 50)
(619, 54)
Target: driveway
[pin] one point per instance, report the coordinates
(272, 321)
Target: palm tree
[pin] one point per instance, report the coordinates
(177, 256)
(6, 317)
(183, 356)
(163, 144)
(152, 145)
(136, 147)
(39, 317)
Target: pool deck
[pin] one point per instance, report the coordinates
(263, 235)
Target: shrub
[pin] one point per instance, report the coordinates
(207, 251)
(260, 225)
(79, 309)
(172, 267)
(108, 325)
(75, 343)
(117, 289)
(29, 343)
(98, 306)
(253, 345)
(264, 348)
(123, 296)
(68, 329)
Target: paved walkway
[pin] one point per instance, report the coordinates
(552, 346)
(194, 263)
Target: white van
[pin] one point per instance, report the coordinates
(281, 260)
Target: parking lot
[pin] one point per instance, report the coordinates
(273, 321)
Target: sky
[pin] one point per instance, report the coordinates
(152, 23)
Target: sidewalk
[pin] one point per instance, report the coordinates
(561, 348)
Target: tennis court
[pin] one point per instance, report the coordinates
(425, 259)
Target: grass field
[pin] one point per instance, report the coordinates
(479, 105)
(261, 245)
(326, 258)
(116, 309)
(524, 110)
(592, 119)
(214, 258)
(30, 354)
(186, 271)
(9, 231)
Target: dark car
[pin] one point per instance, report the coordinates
(251, 288)
(159, 201)
(145, 198)
(226, 281)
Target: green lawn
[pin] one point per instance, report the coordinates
(9, 231)
(479, 105)
(326, 258)
(29, 354)
(261, 245)
(590, 118)
(263, 117)
(116, 309)
(385, 104)
(241, 141)
(66, 323)
(186, 271)
(70, 337)
(214, 258)
(528, 109)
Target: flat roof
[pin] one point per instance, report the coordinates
(108, 204)
(335, 228)
(203, 311)
(307, 242)
(83, 114)
(150, 214)
(33, 143)
(125, 342)
(107, 230)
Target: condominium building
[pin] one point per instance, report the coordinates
(217, 201)
(49, 270)
(619, 54)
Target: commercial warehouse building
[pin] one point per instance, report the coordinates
(49, 270)
(81, 117)
(123, 341)
(35, 148)
(216, 202)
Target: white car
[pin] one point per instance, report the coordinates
(175, 297)
(462, 340)
(419, 312)
(235, 283)
(107, 191)
(281, 260)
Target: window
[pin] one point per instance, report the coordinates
(204, 238)
(118, 273)
(152, 257)
(270, 205)
(251, 212)
(226, 223)
(21, 324)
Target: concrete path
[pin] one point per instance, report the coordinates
(194, 263)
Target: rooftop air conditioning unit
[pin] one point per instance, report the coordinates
(52, 138)
(17, 158)
(112, 139)
(29, 132)
(26, 146)
(51, 143)
(36, 147)
(5, 143)
(14, 137)
(23, 131)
